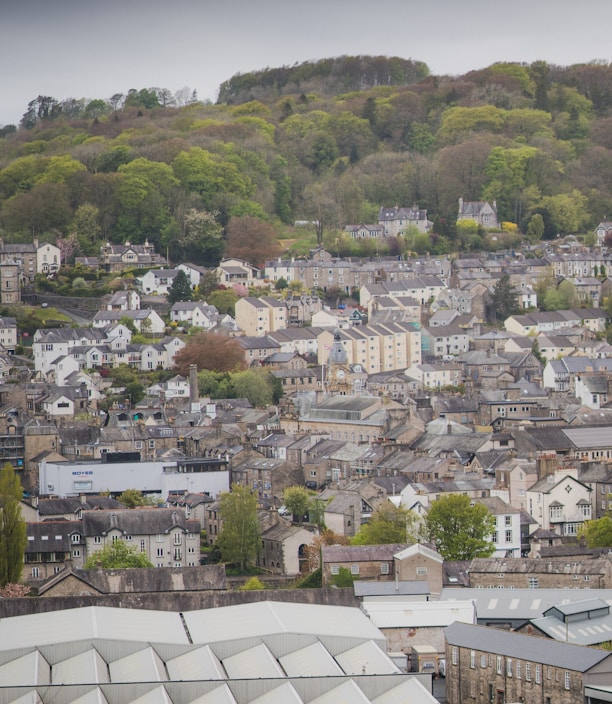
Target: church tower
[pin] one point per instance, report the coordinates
(338, 371)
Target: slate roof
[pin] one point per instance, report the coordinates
(137, 521)
(494, 640)
(361, 553)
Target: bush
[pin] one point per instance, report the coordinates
(251, 585)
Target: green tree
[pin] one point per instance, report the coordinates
(459, 529)
(13, 537)
(298, 500)
(239, 537)
(199, 239)
(504, 301)
(281, 284)
(180, 289)
(388, 524)
(117, 555)
(535, 228)
(132, 498)
(536, 352)
(598, 533)
(253, 385)
(224, 300)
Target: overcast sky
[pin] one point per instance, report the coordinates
(95, 48)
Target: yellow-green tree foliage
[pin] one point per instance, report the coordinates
(13, 537)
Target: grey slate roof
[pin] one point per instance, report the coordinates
(494, 640)
(137, 521)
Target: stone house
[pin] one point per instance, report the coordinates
(120, 257)
(164, 535)
(370, 562)
(488, 665)
(396, 221)
(412, 563)
(482, 212)
(51, 547)
(527, 573)
(283, 548)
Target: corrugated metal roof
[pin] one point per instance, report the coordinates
(285, 694)
(92, 622)
(366, 658)
(252, 664)
(409, 691)
(346, 692)
(266, 618)
(85, 667)
(199, 664)
(31, 668)
(313, 660)
(143, 666)
(418, 614)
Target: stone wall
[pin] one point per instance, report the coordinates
(178, 601)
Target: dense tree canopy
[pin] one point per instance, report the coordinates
(210, 350)
(460, 529)
(239, 537)
(598, 533)
(327, 142)
(388, 524)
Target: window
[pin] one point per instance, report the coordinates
(528, 671)
(354, 569)
(508, 536)
(499, 665)
(335, 569)
(421, 571)
(538, 674)
(76, 553)
(384, 568)
(556, 512)
(533, 582)
(509, 667)
(519, 670)
(472, 659)
(508, 520)
(35, 572)
(177, 539)
(483, 661)
(566, 680)
(142, 546)
(75, 538)
(455, 655)
(97, 539)
(160, 552)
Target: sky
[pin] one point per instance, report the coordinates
(96, 48)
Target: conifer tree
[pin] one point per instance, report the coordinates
(13, 537)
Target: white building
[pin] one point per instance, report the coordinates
(560, 502)
(64, 479)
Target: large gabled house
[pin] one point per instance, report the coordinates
(164, 535)
(121, 257)
(482, 212)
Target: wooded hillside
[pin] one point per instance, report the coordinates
(330, 141)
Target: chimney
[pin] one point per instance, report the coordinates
(194, 393)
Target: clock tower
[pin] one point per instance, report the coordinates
(338, 371)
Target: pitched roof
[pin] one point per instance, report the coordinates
(494, 640)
